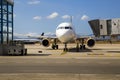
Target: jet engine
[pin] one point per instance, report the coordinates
(90, 42)
(46, 43)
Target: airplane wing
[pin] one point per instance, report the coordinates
(47, 37)
(42, 36)
(46, 40)
(27, 41)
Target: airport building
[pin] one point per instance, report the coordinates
(7, 45)
(6, 21)
(103, 27)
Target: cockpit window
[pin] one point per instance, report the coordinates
(64, 27)
(68, 27)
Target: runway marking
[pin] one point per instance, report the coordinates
(63, 53)
(95, 54)
(58, 76)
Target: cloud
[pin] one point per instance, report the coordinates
(19, 35)
(53, 15)
(32, 34)
(34, 2)
(37, 18)
(66, 17)
(49, 33)
(84, 17)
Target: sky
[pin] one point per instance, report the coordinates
(32, 17)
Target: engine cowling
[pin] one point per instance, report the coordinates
(90, 42)
(46, 43)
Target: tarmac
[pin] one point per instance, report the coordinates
(98, 63)
(99, 50)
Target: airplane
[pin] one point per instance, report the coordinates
(27, 41)
(65, 33)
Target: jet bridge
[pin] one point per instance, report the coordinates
(110, 27)
(105, 27)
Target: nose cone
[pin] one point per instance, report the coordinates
(64, 35)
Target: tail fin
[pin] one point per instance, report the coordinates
(42, 34)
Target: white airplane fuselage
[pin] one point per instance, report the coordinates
(65, 32)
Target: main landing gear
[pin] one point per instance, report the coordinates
(81, 47)
(54, 45)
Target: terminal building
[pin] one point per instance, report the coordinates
(102, 28)
(6, 21)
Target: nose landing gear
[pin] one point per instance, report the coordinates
(65, 49)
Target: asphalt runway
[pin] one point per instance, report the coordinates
(101, 62)
(60, 65)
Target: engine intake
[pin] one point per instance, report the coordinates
(46, 43)
(90, 42)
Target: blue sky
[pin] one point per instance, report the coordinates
(32, 17)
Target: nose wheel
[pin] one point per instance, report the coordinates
(65, 49)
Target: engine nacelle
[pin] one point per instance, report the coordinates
(46, 43)
(90, 42)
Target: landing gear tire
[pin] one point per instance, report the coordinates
(54, 46)
(65, 49)
(77, 47)
(82, 47)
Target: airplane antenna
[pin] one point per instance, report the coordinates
(71, 19)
